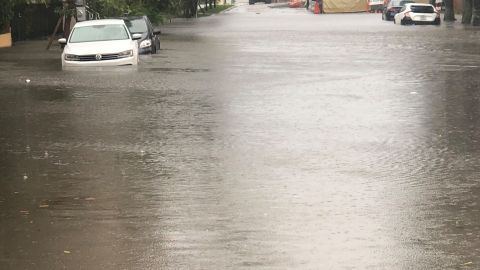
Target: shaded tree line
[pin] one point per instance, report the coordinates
(157, 10)
(6, 14)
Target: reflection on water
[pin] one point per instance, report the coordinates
(230, 149)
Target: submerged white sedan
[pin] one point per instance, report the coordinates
(415, 13)
(100, 43)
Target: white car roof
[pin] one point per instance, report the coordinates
(99, 22)
(417, 4)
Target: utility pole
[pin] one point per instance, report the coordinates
(81, 10)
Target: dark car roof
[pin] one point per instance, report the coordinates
(134, 17)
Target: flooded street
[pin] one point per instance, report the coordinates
(260, 138)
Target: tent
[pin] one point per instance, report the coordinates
(337, 6)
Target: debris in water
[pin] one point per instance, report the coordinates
(413, 93)
(25, 176)
(458, 224)
(66, 251)
(27, 80)
(45, 155)
(59, 163)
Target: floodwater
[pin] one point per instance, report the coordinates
(256, 139)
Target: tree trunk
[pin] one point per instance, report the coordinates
(214, 3)
(195, 7)
(467, 11)
(449, 15)
(476, 13)
(189, 8)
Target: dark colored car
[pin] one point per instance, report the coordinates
(251, 2)
(150, 41)
(392, 8)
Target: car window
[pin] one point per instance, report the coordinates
(422, 9)
(403, 9)
(136, 25)
(150, 26)
(99, 33)
(403, 3)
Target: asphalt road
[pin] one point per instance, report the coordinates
(260, 138)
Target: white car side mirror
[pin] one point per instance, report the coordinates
(136, 36)
(62, 41)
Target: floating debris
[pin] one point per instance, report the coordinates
(59, 163)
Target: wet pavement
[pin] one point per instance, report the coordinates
(260, 138)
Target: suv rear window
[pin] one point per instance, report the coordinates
(422, 9)
(400, 3)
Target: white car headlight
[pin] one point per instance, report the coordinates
(71, 57)
(125, 54)
(145, 43)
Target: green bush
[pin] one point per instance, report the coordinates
(6, 14)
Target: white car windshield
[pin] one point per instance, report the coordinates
(99, 33)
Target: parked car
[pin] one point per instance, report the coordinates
(418, 14)
(251, 2)
(150, 41)
(100, 43)
(392, 7)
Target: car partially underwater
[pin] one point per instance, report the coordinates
(416, 13)
(149, 43)
(100, 43)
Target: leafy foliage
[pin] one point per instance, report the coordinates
(156, 10)
(6, 14)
